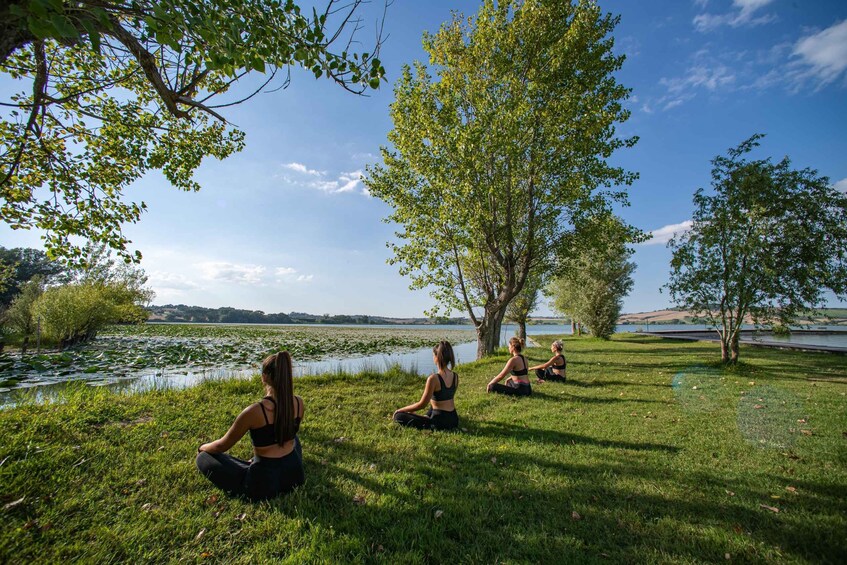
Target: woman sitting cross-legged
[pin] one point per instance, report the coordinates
(273, 422)
(554, 369)
(517, 384)
(438, 393)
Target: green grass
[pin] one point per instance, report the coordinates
(656, 469)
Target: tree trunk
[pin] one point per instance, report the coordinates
(522, 330)
(729, 348)
(733, 350)
(573, 327)
(488, 331)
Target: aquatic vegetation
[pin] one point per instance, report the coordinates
(131, 350)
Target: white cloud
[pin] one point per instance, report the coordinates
(665, 233)
(161, 280)
(232, 272)
(841, 186)
(305, 278)
(282, 271)
(710, 78)
(347, 182)
(300, 168)
(742, 15)
(821, 56)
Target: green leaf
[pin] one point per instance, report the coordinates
(64, 26)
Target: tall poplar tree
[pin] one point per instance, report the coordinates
(499, 155)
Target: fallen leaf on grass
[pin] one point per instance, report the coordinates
(14, 503)
(801, 421)
(47, 526)
(438, 514)
(464, 430)
(737, 529)
(148, 506)
(29, 524)
(727, 556)
(140, 482)
(791, 489)
(806, 432)
(380, 548)
(771, 508)
(161, 448)
(730, 493)
(575, 515)
(205, 555)
(241, 517)
(211, 500)
(758, 406)
(359, 499)
(341, 439)
(494, 460)
(200, 535)
(776, 496)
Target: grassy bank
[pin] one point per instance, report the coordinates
(649, 453)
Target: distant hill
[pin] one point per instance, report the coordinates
(828, 316)
(225, 315)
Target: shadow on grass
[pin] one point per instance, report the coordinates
(449, 503)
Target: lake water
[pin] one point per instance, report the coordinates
(419, 361)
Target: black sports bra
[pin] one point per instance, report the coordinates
(563, 365)
(521, 372)
(266, 435)
(446, 393)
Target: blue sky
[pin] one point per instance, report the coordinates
(286, 225)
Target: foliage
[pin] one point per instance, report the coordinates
(113, 90)
(495, 161)
(654, 472)
(767, 242)
(595, 279)
(18, 317)
(21, 265)
(75, 312)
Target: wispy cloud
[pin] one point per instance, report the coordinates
(343, 182)
(305, 278)
(232, 272)
(743, 14)
(301, 168)
(705, 73)
(841, 186)
(821, 56)
(666, 233)
(346, 182)
(282, 271)
(164, 281)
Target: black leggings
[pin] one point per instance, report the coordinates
(434, 420)
(259, 479)
(548, 375)
(520, 390)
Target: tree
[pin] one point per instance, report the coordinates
(18, 317)
(595, 279)
(115, 89)
(21, 265)
(767, 242)
(525, 302)
(494, 163)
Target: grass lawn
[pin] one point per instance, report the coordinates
(650, 453)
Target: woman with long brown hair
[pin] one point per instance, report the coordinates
(273, 423)
(438, 393)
